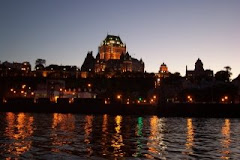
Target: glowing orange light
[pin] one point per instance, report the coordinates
(119, 96)
(55, 99)
(89, 85)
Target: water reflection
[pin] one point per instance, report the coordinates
(63, 127)
(139, 133)
(156, 145)
(63, 122)
(190, 136)
(19, 129)
(226, 141)
(73, 136)
(87, 136)
(104, 134)
(117, 141)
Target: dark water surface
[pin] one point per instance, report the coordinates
(74, 136)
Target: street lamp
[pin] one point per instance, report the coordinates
(190, 99)
(119, 96)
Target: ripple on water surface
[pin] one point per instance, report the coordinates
(73, 136)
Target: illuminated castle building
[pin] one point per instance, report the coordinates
(112, 57)
(111, 48)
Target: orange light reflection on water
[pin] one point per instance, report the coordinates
(226, 141)
(62, 123)
(155, 143)
(88, 130)
(19, 128)
(117, 141)
(190, 136)
(104, 134)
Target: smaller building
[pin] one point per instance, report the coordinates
(163, 71)
(236, 83)
(56, 71)
(199, 73)
(15, 69)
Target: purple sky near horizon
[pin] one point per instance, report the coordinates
(172, 31)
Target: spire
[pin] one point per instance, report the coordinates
(98, 56)
(186, 70)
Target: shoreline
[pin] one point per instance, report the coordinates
(163, 110)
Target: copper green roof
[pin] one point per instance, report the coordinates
(113, 40)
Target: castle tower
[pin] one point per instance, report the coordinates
(111, 48)
(163, 68)
(199, 67)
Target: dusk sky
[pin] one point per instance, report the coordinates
(174, 32)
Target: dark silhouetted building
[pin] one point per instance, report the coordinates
(199, 73)
(15, 69)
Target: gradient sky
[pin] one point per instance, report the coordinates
(176, 32)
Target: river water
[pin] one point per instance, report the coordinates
(75, 136)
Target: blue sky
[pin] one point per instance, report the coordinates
(176, 32)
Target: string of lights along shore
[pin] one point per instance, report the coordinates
(174, 32)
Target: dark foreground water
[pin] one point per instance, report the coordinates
(73, 136)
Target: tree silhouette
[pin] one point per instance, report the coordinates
(228, 70)
(40, 63)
